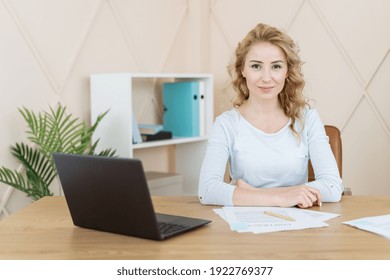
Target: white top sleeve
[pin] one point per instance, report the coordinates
(325, 168)
(266, 160)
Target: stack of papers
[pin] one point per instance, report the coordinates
(270, 219)
(377, 224)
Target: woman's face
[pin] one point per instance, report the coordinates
(265, 71)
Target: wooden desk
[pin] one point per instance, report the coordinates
(44, 230)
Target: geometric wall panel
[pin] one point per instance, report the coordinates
(366, 153)
(55, 37)
(330, 83)
(22, 83)
(236, 18)
(379, 90)
(104, 50)
(359, 31)
(146, 38)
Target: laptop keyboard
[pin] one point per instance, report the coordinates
(169, 228)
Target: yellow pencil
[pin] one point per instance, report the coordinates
(279, 216)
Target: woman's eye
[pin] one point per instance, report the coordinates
(255, 66)
(277, 66)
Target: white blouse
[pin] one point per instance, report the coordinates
(267, 160)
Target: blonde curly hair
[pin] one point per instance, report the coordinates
(291, 98)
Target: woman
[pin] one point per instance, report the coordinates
(270, 134)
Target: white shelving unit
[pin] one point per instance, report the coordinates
(115, 92)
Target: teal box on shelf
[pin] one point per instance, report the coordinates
(183, 103)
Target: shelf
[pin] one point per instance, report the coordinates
(174, 141)
(191, 76)
(164, 183)
(121, 93)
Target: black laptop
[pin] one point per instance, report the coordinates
(111, 194)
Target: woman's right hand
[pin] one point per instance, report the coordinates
(302, 196)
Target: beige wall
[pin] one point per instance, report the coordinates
(49, 48)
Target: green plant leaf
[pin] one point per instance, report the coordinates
(52, 131)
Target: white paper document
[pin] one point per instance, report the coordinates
(255, 219)
(376, 224)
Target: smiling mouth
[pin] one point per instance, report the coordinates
(266, 89)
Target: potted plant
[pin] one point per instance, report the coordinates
(52, 131)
